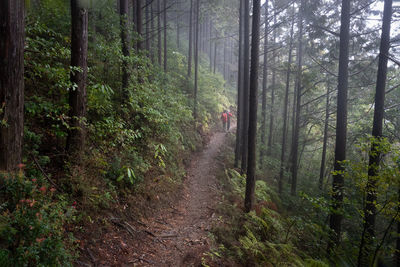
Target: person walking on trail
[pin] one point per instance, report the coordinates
(229, 115)
(224, 118)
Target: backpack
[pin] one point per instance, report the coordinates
(224, 117)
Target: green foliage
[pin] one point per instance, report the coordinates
(145, 128)
(32, 222)
(263, 237)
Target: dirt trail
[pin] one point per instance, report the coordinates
(178, 236)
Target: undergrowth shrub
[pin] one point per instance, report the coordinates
(32, 219)
(262, 237)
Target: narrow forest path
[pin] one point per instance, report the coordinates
(179, 236)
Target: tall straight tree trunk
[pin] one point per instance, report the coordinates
(335, 221)
(147, 17)
(246, 73)
(215, 53)
(139, 24)
(152, 52)
(165, 37)
(224, 65)
(159, 32)
(190, 39)
(295, 144)
(196, 59)
(367, 242)
(293, 126)
(178, 28)
(255, 51)
(397, 253)
(125, 47)
(134, 16)
(211, 27)
(285, 108)
(264, 86)
(12, 32)
(239, 126)
(325, 141)
(271, 113)
(77, 96)
(201, 37)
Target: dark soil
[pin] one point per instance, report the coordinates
(176, 235)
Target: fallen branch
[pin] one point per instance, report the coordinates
(123, 225)
(44, 174)
(141, 259)
(91, 255)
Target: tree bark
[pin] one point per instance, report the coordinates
(264, 87)
(366, 246)
(165, 37)
(139, 24)
(252, 133)
(125, 47)
(12, 32)
(295, 144)
(239, 125)
(77, 95)
(215, 52)
(190, 39)
(152, 52)
(211, 24)
(159, 32)
(325, 141)
(134, 16)
(271, 114)
(178, 39)
(285, 108)
(196, 59)
(224, 64)
(147, 17)
(397, 253)
(335, 221)
(246, 73)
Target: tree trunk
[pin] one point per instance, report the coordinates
(293, 122)
(139, 24)
(335, 221)
(134, 16)
(165, 37)
(285, 108)
(271, 113)
(295, 144)
(397, 253)
(190, 39)
(246, 73)
(366, 247)
(264, 87)
(152, 52)
(77, 96)
(196, 59)
(12, 32)
(251, 166)
(177, 25)
(239, 125)
(224, 65)
(147, 17)
(211, 46)
(159, 32)
(325, 142)
(125, 47)
(215, 52)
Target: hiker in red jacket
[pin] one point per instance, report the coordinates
(224, 118)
